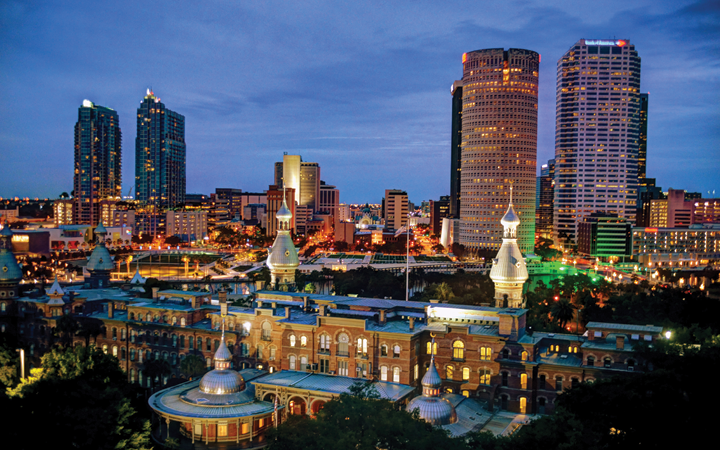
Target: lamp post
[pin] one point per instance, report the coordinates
(22, 362)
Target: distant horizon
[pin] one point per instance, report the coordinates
(368, 99)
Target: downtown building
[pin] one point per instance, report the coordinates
(597, 133)
(98, 153)
(159, 155)
(498, 144)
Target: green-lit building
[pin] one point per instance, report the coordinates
(604, 234)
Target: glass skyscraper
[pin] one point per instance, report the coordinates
(159, 155)
(98, 153)
(596, 133)
(499, 145)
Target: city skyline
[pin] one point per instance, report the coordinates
(333, 89)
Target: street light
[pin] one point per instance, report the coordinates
(22, 362)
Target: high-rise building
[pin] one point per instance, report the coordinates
(455, 147)
(231, 201)
(596, 133)
(309, 185)
(642, 143)
(329, 202)
(546, 196)
(98, 153)
(499, 145)
(395, 209)
(439, 209)
(159, 155)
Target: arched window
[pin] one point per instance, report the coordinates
(115, 351)
(433, 350)
(260, 351)
(458, 350)
(133, 336)
(504, 379)
(174, 340)
(208, 344)
(607, 362)
(303, 363)
(485, 374)
(292, 362)
(396, 351)
(199, 344)
(466, 373)
(182, 321)
(182, 341)
(559, 383)
(383, 373)
(105, 348)
(505, 353)
(266, 331)
(362, 347)
(590, 360)
(343, 342)
(396, 374)
(132, 375)
(325, 343)
(122, 353)
(303, 341)
(524, 356)
(148, 317)
(485, 353)
(383, 350)
(173, 359)
(292, 340)
(132, 316)
(132, 354)
(165, 356)
(523, 381)
(114, 334)
(449, 370)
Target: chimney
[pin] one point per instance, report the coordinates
(274, 305)
(411, 322)
(305, 303)
(322, 310)
(111, 310)
(223, 308)
(222, 296)
(155, 291)
(287, 312)
(193, 302)
(381, 317)
(259, 303)
(259, 285)
(620, 342)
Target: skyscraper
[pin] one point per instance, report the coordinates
(499, 145)
(642, 136)
(596, 133)
(456, 148)
(546, 196)
(159, 154)
(395, 209)
(98, 154)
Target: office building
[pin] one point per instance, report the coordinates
(596, 133)
(682, 209)
(189, 225)
(275, 199)
(230, 200)
(98, 153)
(499, 145)
(329, 201)
(545, 200)
(439, 209)
(159, 155)
(642, 138)
(309, 185)
(696, 245)
(604, 235)
(62, 212)
(395, 209)
(455, 147)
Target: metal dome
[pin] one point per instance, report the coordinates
(222, 381)
(100, 258)
(283, 253)
(434, 410)
(510, 218)
(9, 269)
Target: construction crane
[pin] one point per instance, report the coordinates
(129, 194)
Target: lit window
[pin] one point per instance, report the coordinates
(485, 353)
(449, 372)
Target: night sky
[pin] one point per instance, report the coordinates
(362, 88)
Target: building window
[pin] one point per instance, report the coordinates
(182, 321)
(485, 353)
(259, 351)
(343, 368)
(122, 353)
(199, 344)
(416, 368)
(574, 382)
(396, 374)
(396, 351)
(123, 334)
(383, 350)
(524, 356)
(174, 340)
(114, 334)
(266, 331)
(292, 340)
(115, 351)
(182, 341)
(208, 344)
(303, 363)
(505, 353)
(485, 375)
(325, 343)
(132, 354)
(303, 341)
(432, 348)
(343, 343)
(558, 383)
(324, 365)
(458, 350)
(449, 372)
(466, 373)
(292, 362)
(523, 381)
(133, 336)
(383, 373)
(607, 362)
(362, 347)
(591, 361)
(222, 430)
(504, 378)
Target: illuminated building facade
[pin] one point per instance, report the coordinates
(603, 234)
(499, 144)
(597, 127)
(159, 155)
(678, 247)
(98, 153)
(545, 201)
(395, 209)
(456, 148)
(642, 138)
(63, 212)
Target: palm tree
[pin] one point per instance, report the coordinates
(562, 312)
(444, 292)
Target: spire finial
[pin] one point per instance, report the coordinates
(511, 189)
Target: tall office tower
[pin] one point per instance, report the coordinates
(309, 185)
(291, 174)
(98, 153)
(278, 173)
(546, 196)
(596, 133)
(642, 143)
(395, 209)
(439, 209)
(159, 155)
(499, 145)
(231, 199)
(455, 148)
(329, 200)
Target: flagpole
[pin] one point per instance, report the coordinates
(407, 264)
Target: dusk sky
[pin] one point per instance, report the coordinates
(362, 88)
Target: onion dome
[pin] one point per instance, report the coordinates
(431, 407)
(284, 214)
(222, 379)
(510, 219)
(283, 254)
(9, 268)
(100, 258)
(509, 264)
